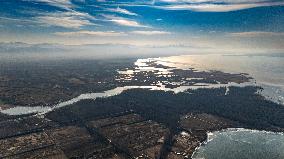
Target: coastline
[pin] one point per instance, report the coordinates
(160, 71)
(23, 110)
(146, 71)
(210, 133)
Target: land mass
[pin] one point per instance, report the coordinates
(50, 82)
(138, 123)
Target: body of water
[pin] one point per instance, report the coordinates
(242, 144)
(268, 71)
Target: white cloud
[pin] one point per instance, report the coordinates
(216, 1)
(122, 11)
(256, 34)
(65, 4)
(67, 22)
(67, 18)
(218, 7)
(91, 33)
(126, 22)
(123, 21)
(110, 33)
(71, 19)
(150, 32)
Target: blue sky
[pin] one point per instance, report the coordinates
(203, 25)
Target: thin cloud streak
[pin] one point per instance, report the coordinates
(111, 33)
(126, 22)
(123, 21)
(256, 34)
(151, 32)
(217, 1)
(207, 7)
(64, 4)
(91, 33)
(70, 19)
(122, 11)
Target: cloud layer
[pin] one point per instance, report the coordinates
(143, 22)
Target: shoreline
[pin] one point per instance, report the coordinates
(203, 143)
(141, 64)
(24, 110)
